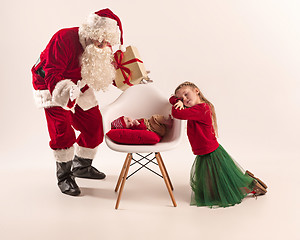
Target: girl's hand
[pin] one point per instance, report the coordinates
(179, 105)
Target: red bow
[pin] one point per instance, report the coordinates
(119, 65)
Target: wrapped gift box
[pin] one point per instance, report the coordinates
(130, 68)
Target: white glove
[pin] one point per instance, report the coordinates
(75, 91)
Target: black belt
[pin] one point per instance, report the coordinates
(40, 71)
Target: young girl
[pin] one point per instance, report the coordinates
(216, 180)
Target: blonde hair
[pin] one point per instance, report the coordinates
(203, 99)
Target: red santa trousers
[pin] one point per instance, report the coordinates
(61, 123)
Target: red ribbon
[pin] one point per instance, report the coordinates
(119, 55)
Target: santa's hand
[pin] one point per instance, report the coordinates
(146, 79)
(75, 91)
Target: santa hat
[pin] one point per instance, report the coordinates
(103, 20)
(119, 123)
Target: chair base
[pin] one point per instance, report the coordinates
(125, 169)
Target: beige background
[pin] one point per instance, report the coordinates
(244, 56)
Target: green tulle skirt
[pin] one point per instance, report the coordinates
(217, 181)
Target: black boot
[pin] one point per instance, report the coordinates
(66, 180)
(82, 167)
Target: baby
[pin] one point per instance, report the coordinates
(157, 123)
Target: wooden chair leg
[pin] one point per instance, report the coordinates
(163, 164)
(122, 173)
(123, 180)
(165, 177)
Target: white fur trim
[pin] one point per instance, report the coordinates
(95, 21)
(100, 28)
(43, 99)
(84, 152)
(61, 92)
(64, 155)
(87, 99)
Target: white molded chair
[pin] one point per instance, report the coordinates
(142, 101)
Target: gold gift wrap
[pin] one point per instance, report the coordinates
(136, 68)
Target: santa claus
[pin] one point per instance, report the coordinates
(75, 63)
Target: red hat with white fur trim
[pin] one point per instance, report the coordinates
(119, 123)
(103, 25)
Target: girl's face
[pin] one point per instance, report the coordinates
(189, 96)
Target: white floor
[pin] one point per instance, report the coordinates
(32, 206)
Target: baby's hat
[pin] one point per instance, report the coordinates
(119, 123)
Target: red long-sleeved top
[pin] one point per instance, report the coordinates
(200, 129)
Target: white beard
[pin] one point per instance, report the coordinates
(97, 70)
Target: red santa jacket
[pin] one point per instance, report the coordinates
(200, 130)
(60, 63)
